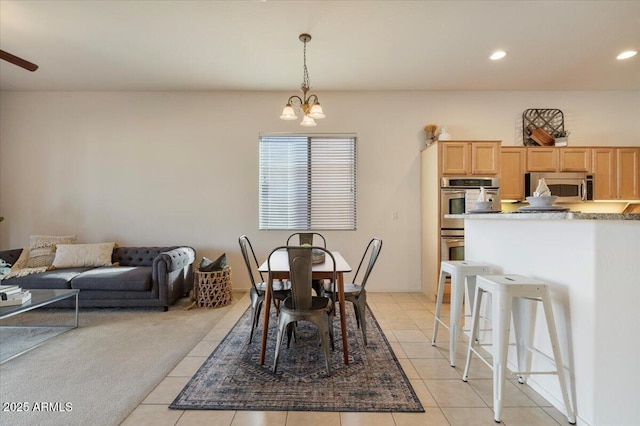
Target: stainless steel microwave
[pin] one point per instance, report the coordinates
(569, 187)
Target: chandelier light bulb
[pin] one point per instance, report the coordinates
(288, 113)
(316, 112)
(308, 122)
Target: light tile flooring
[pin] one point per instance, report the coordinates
(407, 321)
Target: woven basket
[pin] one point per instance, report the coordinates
(213, 289)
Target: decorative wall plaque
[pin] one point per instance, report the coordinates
(549, 120)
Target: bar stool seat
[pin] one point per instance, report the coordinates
(514, 294)
(461, 271)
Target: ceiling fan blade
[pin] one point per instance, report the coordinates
(18, 61)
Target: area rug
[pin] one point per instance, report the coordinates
(231, 379)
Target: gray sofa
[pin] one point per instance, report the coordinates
(145, 277)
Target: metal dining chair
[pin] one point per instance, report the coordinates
(302, 305)
(355, 292)
(306, 238)
(257, 291)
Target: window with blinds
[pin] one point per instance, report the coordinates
(307, 182)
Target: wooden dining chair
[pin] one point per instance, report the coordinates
(302, 305)
(257, 291)
(355, 292)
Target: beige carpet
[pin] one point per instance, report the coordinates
(98, 373)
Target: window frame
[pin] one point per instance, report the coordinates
(344, 198)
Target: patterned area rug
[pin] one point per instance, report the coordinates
(231, 379)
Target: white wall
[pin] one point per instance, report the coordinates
(163, 168)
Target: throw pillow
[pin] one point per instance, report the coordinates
(207, 265)
(19, 269)
(83, 255)
(42, 249)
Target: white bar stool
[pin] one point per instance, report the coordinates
(514, 294)
(461, 271)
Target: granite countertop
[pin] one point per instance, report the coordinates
(548, 215)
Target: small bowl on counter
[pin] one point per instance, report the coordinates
(544, 201)
(483, 205)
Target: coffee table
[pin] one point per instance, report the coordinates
(39, 298)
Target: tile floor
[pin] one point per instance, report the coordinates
(407, 321)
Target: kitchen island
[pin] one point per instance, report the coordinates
(592, 265)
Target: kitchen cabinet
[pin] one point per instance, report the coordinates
(628, 173)
(512, 168)
(558, 159)
(469, 158)
(455, 158)
(616, 173)
(604, 174)
(542, 159)
(575, 159)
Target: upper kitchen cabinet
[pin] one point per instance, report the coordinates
(558, 159)
(575, 159)
(616, 173)
(542, 159)
(512, 163)
(455, 158)
(469, 158)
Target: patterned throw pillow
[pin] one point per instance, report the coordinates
(42, 249)
(207, 265)
(19, 268)
(83, 255)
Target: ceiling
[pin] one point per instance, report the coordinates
(356, 45)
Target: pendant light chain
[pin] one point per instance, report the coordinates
(305, 76)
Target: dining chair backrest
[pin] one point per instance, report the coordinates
(300, 273)
(373, 251)
(250, 259)
(306, 238)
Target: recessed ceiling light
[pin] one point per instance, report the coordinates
(627, 54)
(498, 54)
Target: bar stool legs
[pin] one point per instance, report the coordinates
(515, 294)
(461, 271)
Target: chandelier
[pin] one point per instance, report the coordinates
(309, 105)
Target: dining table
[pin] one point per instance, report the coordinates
(280, 271)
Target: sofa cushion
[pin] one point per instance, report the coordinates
(83, 255)
(114, 278)
(47, 280)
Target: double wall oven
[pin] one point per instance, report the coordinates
(457, 195)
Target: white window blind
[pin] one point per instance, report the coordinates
(308, 182)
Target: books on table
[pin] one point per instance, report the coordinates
(9, 288)
(11, 295)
